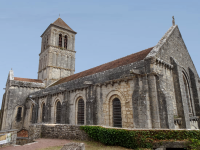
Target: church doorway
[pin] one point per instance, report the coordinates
(80, 116)
(58, 112)
(117, 119)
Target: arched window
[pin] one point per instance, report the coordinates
(58, 112)
(117, 119)
(19, 114)
(60, 40)
(80, 116)
(65, 42)
(43, 112)
(187, 93)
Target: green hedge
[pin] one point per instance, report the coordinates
(137, 138)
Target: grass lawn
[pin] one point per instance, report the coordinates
(90, 146)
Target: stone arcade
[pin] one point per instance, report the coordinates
(155, 88)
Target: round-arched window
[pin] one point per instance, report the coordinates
(80, 116)
(117, 119)
(58, 112)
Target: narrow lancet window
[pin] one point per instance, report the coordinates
(58, 112)
(60, 40)
(65, 43)
(117, 119)
(19, 114)
(80, 116)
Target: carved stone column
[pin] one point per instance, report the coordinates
(63, 39)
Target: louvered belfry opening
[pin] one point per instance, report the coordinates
(80, 112)
(58, 112)
(60, 40)
(19, 113)
(65, 42)
(117, 119)
(43, 112)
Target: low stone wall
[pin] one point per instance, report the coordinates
(23, 140)
(8, 137)
(60, 131)
(35, 131)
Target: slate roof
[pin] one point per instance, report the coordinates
(59, 22)
(27, 80)
(110, 65)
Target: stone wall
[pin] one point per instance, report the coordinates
(35, 131)
(60, 131)
(97, 96)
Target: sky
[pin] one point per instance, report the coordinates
(106, 30)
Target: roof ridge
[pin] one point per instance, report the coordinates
(161, 41)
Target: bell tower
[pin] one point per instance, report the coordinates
(57, 57)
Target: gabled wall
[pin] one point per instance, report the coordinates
(15, 96)
(171, 50)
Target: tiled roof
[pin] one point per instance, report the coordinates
(110, 65)
(28, 80)
(61, 23)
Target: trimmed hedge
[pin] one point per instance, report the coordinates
(137, 138)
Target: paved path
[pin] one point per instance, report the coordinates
(41, 143)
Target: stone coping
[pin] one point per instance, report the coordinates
(8, 130)
(22, 138)
(108, 127)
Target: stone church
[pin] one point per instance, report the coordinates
(155, 88)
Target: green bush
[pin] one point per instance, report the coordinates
(138, 138)
(194, 144)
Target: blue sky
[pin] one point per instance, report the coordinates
(106, 30)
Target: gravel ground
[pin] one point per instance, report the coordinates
(39, 143)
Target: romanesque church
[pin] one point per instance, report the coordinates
(155, 88)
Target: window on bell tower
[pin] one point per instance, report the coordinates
(65, 42)
(60, 40)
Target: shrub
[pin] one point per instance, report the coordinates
(138, 138)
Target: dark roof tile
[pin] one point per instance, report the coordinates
(61, 23)
(27, 80)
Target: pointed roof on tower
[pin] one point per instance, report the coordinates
(59, 22)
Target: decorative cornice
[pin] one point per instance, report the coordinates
(59, 48)
(56, 68)
(162, 62)
(26, 86)
(177, 121)
(194, 118)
